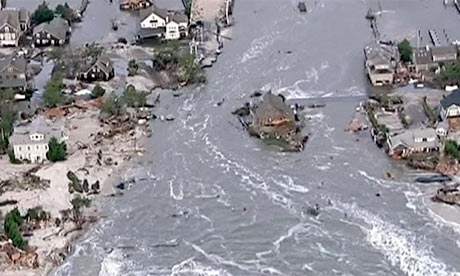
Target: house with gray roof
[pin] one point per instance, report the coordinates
(450, 106)
(13, 23)
(56, 32)
(444, 53)
(30, 142)
(13, 73)
(380, 63)
(100, 69)
(413, 141)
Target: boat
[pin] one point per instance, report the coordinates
(434, 179)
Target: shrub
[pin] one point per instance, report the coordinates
(98, 92)
(13, 222)
(78, 203)
(112, 106)
(74, 184)
(451, 149)
(134, 98)
(66, 12)
(56, 151)
(43, 14)
(53, 95)
(133, 67)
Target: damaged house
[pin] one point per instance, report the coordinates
(413, 141)
(100, 69)
(380, 63)
(430, 58)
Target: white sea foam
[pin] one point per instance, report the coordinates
(190, 267)
(112, 264)
(176, 195)
(258, 46)
(288, 184)
(399, 246)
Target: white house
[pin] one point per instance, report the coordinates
(171, 24)
(153, 18)
(413, 141)
(30, 142)
(450, 106)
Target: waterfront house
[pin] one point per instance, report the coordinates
(380, 63)
(442, 129)
(135, 4)
(274, 116)
(100, 69)
(450, 106)
(413, 141)
(13, 23)
(444, 53)
(156, 22)
(30, 142)
(423, 60)
(56, 32)
(13, 73)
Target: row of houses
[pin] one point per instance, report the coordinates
(381, 61)
(405, 142)
(14, 23)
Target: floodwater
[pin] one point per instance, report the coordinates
(217, 202)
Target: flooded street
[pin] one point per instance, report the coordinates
(215, 201)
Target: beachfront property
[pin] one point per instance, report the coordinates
(30, 142)
(13, 23)
(135, 4)
(420, 140)
(160, 23)
(55, 33)
(381, 60)
(100, 69)
(429, 58)
(450, 106)
(13, 73)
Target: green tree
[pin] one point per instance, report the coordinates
(98, 92)
(7, 118)
(53, 95)
(112, 106)
(134, 98)
(451, 74)
(405, 50)
(56, 151)
(12, 224)
(78, 203)
(43, 14)
(66, 12)
(451, 149)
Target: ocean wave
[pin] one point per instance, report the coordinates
(190, 267)
(402, 248)
(258, 46)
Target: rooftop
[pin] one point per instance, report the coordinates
(452, 99)
(57, 27)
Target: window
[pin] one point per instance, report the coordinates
(28, 148)
(37, 147)
(46, 147)
(20, 148)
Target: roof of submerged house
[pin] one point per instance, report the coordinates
(452, 99)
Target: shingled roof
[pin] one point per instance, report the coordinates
(452, 99)
(58, 27)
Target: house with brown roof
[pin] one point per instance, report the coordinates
(13, 22)
(100, 69)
